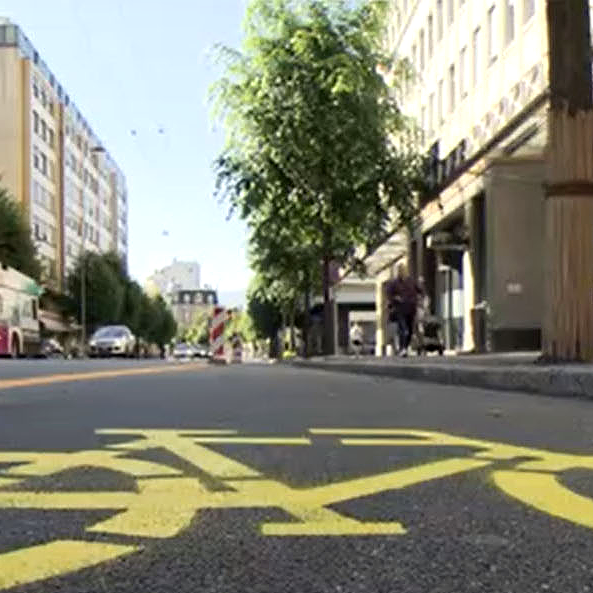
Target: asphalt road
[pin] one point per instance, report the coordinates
(271, 479)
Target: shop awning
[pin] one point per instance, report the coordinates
(53, 322)
(386, 254)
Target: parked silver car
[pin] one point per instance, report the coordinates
(183, 350)
(112, 340)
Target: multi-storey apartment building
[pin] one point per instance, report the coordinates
(53, 163)
(178, 275)
(479, 94)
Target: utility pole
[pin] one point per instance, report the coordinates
(567, 329)
(83, 271)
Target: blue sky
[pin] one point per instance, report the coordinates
(143, 65)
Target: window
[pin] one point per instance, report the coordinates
(439, 19)
(51, 138)
(528, 9)
(50, 107)
(43, 164)
(440, 103)
(491, 24)
(509, 28)
(452, 96)
(421, 49)
(35, 88)
(450, 11)
(431, 114)
(476, 56)
(462, 72)
(430, 36)
(36, 122)
(43, 98)
(35, 157)
(43, 129)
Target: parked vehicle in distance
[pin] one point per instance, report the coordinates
(112, 340)
(50, 347)
(202, 351)
(183, 350)
(19, 309)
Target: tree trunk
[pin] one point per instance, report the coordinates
(567, 329)
(292, 330)
(568, 323)
(328, 330)
(307, 317)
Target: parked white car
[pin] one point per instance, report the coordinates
(112, 340)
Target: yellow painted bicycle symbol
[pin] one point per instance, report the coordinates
(166, 500)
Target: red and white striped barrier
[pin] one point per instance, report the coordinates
(217, 335)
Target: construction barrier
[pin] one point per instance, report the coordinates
(217, 335)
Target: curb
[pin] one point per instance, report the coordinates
(557, 382)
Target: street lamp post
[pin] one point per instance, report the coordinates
(94, 150)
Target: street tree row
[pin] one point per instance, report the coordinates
(319, 159)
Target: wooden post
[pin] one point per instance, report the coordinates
(567, 329)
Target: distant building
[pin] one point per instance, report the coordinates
(187, 304)
(179, 275)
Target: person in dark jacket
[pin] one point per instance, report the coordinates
(402, 293)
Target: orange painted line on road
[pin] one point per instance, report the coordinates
(95, 375)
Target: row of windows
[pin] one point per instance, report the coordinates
(42, 197)
(42, 129)
(433, 115)
(44, 95)
(193, 298)
(425, 47)
(43, 164)
(44, 232)
(81, 172)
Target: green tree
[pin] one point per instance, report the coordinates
(161, 324)
(316, 138)
(132, 307)
(17, 249)
(104, 291)
(265, 315)
(198, 332)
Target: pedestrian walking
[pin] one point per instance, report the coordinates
(356, 338)
(403, 293)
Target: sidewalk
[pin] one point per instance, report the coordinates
(506, 371)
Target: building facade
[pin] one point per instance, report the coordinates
(179, 275)
(186, 305)
(479, 93)
(53, 163)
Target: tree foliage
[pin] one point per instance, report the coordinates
(263, 311)
(199, 330)
(112, 297)
(17, 249)
(318, 159)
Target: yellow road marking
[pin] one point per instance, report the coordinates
(214, 463)
(361, 431)
(166, 501)
(252, 441)
(35, 563)
(545, 493)
(95, 375)
(4, 482)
